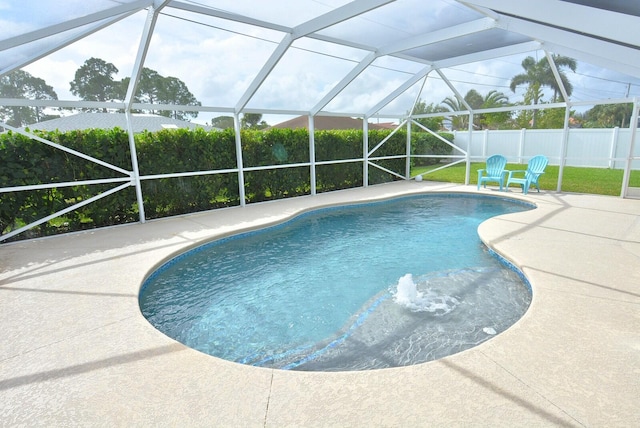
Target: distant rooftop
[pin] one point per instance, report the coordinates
(140, 122)
(322, 123)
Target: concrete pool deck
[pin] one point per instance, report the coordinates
(76, 350)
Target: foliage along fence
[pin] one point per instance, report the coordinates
(276, 164)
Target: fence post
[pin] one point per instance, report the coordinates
(614, 143)
(634, 130)
(468, 168)
(134, 164)
(521, 144)
(239, 162)
(563, 147)
(485, 143)
(407, 167)
(365, 152)
(312, 153)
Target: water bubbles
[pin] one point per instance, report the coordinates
(427, 300)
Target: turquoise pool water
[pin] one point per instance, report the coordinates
(359, 287)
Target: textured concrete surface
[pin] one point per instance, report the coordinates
(76, 351)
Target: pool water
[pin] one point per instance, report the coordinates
(360, 287)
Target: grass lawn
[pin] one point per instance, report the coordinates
(600, 181)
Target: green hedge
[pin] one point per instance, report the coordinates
(24, 161)
(423, 143)
(179, 151)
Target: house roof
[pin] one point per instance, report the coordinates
(140, 122)
(326, 123)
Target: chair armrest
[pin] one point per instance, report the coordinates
(516, 171)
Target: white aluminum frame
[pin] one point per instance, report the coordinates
(551, 25)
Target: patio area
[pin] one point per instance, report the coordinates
(76, 350)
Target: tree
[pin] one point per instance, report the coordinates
(154, 88)
(94, 82)
(253, 121)
(20, 84)
(552, 82)
(527, 118)
(494, 99)
(551, 118)
(148, 86)
(222, 122)
(172, 90)
(539, 74)
(432, 123)
(475, 101)
(454, 104)
(608, 116)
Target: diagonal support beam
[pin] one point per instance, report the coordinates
(465, 29)
(60, 45)
(217, 13)
(53, 30)
(454, 90)
(556, 75)
(264, 72)
(488, 54)
(145, 40)
(585, 48)
(570, 16)
(595, 58)
(400, 90)
(50, 49)
(143, 48)
(340, 14)
(355, 72)
(66, 149)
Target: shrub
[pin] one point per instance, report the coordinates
(24, 161)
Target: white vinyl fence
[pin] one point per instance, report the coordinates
(600, 148)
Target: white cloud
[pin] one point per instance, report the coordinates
(218, 60)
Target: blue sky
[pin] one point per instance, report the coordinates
(219, 59)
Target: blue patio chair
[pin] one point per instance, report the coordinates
(535, 168)
(493, 171)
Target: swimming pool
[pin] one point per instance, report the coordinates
(358, 287)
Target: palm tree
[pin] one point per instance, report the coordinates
(472, 98)
(476, 102)
(539, 74)
(454, 104)
(560, 61)
(494, 99)
(533, 76)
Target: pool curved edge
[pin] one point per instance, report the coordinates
(308, 210)
(239, 232)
